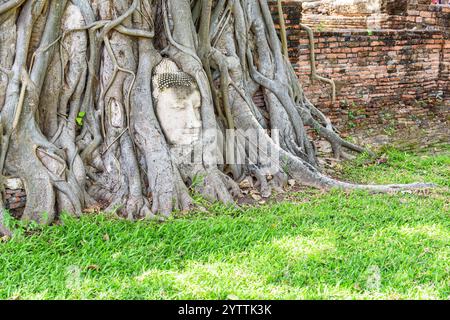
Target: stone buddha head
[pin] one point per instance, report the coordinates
(178, 101)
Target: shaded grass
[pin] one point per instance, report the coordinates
(319, 246)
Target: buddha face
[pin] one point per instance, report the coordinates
(178, 102)
(178, 112)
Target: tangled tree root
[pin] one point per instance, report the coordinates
(78, 116)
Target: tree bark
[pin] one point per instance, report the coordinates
(78, 117)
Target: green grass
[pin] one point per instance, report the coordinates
(321, 246)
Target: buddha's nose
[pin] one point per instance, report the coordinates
(193, 122)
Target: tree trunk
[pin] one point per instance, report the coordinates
(79, 111)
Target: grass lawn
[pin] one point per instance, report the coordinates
(318, 246)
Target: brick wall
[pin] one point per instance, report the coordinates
(376, 71)
(393, 76)
(422, 14)
(14, 196)
(444, 78)
(379, 14)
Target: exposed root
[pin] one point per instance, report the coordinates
(79, 126)
(314, 75)
(4, 232)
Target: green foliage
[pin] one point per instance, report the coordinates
(316, 246)
(80, 118)
(354, 115)
(351, 116)
(197, 181)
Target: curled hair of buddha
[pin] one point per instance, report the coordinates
(168, 75)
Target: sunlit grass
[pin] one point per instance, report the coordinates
(324, 246)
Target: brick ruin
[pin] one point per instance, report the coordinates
(14, 196)
(390, 60)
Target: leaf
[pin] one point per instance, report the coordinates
(93, 267)
(80, 118)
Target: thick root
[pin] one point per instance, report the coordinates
(80, 117)
(4, 232)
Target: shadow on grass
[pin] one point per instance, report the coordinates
(335, 245)
(317, 250)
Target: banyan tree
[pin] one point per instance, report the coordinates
(135, 105)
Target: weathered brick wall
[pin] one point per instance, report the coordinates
(427, 16)
(373, 72)
(396, 76)
(14, 196)
(444, 78)
(15, 200)
(292, 16)
(375, 15)
(360, 14)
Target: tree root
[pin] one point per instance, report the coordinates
(78, 124)
(4, 232)
(314, 75)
